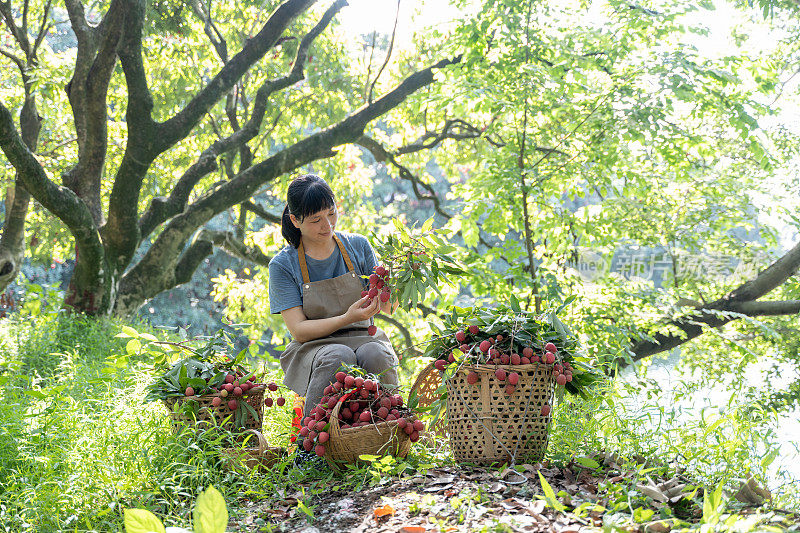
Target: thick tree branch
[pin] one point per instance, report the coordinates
(740, 301)
(60, 201)
(161, 209)
(235, 246)
(180, 125)
(316, 146)
(261, 212)
(84, 178)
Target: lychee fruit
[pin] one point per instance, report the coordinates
(385, 296)
(319, 449)
(550, 347)
(372, 330)
(323, 437)
(474, 329)
(268, 402)
(461, 336)
(273, 386)
(484, 346)
(216, 401)
(527, 351)
(561, 379)
(472, 378)
(440, 364)
(232, 405)
(500, 374)
(348, 381)
(546, 410)
(281, 401)
(340, 376)
(515, 359)
(189, 391)
(513, 378)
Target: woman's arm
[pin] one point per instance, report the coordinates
(304, 330)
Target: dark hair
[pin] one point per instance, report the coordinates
(307, 194)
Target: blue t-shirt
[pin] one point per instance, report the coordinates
(286, 281)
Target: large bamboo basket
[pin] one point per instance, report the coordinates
(488, 426)
(206, 415)
(347, 445)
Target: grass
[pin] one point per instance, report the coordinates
(78, 444)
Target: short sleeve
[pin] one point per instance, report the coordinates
(284, 293)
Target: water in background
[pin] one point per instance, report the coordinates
(715, 398)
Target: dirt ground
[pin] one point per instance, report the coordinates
(574, 498)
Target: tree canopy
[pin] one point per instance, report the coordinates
(533, 133)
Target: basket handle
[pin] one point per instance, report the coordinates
(262, 442)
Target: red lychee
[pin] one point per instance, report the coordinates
(550, 347)
(372, 330)
(461, 336)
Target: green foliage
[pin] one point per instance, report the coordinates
(419, 261)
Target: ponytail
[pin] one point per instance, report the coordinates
(288, 230)
(307, 194)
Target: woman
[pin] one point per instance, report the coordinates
(315, 283)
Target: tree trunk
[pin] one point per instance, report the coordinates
(12, 242)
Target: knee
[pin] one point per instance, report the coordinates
(376, 354)
(333, 355)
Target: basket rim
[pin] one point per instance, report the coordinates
(481, 367)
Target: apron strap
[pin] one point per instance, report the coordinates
(301, 256)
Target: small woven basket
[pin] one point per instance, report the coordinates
(347, 445)
(488, 426)
(206, 415)
(249, 458)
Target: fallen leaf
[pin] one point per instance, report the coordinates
(750, 492)
(386, 510)
(496, 487)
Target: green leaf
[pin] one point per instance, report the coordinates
(142, 521)
(550, 495)
(129, 331)
(210, 513)
(133, 346)
(588, 462)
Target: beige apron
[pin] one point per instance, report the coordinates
(324, 299)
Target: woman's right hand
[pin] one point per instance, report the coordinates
(361, 310)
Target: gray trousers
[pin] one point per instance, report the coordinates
(374, 357)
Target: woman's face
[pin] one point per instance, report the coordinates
(318, 226)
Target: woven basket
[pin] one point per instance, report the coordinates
(207, 415)
(427, 385)
(488, 426)
(249, 458)
(346, 445)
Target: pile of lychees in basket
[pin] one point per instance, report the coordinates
(364, 402)
(502, 351)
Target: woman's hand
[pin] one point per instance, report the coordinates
(361, 310)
